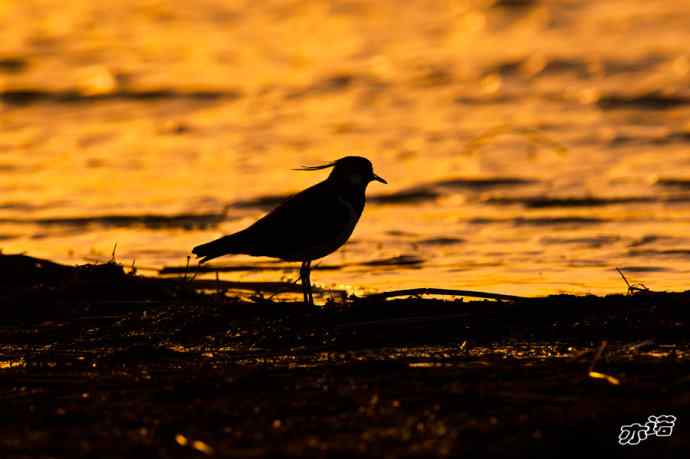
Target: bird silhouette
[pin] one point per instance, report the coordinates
(309, 225)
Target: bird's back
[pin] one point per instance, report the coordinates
(309, 225)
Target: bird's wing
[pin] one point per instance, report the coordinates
(315, 217)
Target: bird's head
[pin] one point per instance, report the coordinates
(351, 171)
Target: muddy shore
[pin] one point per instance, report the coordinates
(99, 362)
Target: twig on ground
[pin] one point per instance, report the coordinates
(112, 256)
(194, 273)
(638, 346)
(632, 288)
(598, 374)
(598, 354)
(443, 292)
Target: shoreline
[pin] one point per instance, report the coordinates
(98, 362)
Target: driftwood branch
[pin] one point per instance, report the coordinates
(443, 292)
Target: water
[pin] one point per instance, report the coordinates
(531, 147)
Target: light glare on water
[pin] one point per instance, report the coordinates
(518, 161)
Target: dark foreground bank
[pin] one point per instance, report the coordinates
(98, 362)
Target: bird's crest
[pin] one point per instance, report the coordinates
(316, 168)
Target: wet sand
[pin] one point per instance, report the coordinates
(99, 362)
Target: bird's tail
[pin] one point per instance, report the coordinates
(214, 249)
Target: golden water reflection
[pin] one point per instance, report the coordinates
(158, 126)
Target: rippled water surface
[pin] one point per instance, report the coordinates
(531, 147)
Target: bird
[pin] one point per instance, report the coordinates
(309, 225)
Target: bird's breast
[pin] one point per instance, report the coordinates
(339, 231)
(350, 223)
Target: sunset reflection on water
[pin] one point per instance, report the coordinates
(519, 159)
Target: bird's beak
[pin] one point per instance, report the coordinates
(380, 179)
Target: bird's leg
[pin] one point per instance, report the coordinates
(304, 276)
